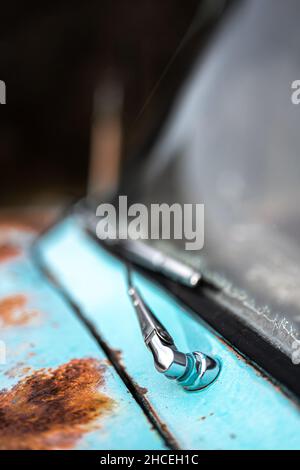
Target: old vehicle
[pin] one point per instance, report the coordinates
(229, 140)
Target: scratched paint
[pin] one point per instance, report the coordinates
(53, 408)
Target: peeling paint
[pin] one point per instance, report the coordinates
(54, 408)
(14, 311)
(142, 390)
(19, 370)
(260, 372)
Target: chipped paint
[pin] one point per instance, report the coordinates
(142, 390)
(14, 311)
(92, 417)
(53, 408)
(15, 238)
(19, 370)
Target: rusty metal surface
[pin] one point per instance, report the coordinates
(54, 408)
(58, 390)
(241, 410)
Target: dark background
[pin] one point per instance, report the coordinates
(53, 55)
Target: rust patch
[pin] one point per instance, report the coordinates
(13, 311)
(141, 390)
(118, 356)
(19, 370)
(9, 251)
(53, 408)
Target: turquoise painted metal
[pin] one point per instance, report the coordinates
(241, 410)
(48, 334)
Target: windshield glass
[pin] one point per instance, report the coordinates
(232, 143)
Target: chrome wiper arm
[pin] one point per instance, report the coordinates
(194, 371)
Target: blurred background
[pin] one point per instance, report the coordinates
(88, 87)
(69, 66)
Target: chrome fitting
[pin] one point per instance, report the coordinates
(193, 371)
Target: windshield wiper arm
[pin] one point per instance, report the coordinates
(193, 371)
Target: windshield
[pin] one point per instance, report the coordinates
(232, 143)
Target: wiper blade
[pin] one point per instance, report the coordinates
(151, 258)
(141, 253)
